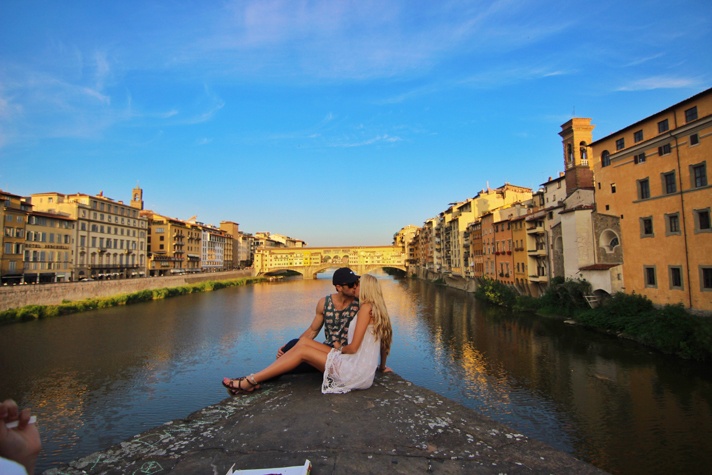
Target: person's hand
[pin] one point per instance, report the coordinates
(21, 444)
(385, 369)
(280, 352)
(338, 345)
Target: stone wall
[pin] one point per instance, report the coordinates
(52, 294)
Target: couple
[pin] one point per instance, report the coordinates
(357, 329)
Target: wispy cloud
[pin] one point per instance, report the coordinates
(660, 82)
(364, 39)
(385, 138)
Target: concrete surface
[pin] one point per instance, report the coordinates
(393, 427)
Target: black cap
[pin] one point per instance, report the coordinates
(344, 276)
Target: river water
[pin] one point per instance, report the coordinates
(98, 378)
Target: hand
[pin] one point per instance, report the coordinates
(385, 369)
(280, 352)
(21, 444)
(338, 345)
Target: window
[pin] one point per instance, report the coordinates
(672, 223)
(669, 183)
(702, 220)
(646, 227)
(620, 144)
(664, 150)
(699, 175)
(605, 158)
(706, 279)
(663, 126)
(691, 114)
(640, 158)
(613, 188)
(638, 136)
(694, 139)
(644, 189)
(675, 277)
(650, 280)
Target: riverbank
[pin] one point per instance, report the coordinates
(394, 427)
(106, 294)
(16, 296)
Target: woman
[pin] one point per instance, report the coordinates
(347, 367)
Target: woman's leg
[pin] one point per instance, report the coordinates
(305, 351)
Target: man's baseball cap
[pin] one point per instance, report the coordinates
(344, 276)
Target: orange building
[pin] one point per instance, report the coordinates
(654, 176)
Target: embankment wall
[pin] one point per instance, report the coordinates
(52, 294)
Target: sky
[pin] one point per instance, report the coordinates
(334, 122)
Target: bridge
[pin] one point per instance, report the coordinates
(309, 261)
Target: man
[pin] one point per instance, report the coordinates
(334, 312)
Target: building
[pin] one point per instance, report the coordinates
(238, 251)
(653, 176)
(404, 239)
(174, 245)
(216, 248)
(49, 247)
(110, 240)
(577, 239)
(13, 215)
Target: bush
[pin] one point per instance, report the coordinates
(527, 303)
(566, 296)
(495, 292)
(669, 329)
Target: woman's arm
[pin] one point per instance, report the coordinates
(384, 356)
(364, 319)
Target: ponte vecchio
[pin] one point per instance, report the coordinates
(309, 261)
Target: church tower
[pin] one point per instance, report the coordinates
(137, 198)
(576, 135)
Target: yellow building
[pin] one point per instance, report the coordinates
(167, 240)
(49, 247)
(654, 176)
(110, 237)
(13, 215)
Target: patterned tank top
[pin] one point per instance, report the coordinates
(336, 322)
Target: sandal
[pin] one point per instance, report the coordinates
(235, 389)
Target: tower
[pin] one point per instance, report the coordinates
(576, 136)
(137, 198)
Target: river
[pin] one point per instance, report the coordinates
(98, 378)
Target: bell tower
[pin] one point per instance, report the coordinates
(137, 198)
(576, 135)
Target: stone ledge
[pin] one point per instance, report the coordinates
(393, 427)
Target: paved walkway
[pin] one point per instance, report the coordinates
(394, 427)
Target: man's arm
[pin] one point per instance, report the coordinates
(318, 321)
(315, 326)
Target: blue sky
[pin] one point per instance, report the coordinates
(335, 122)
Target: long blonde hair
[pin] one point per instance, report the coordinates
(370, 292)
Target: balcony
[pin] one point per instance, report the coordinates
(538, 278)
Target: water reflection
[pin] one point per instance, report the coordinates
(610, 402)
(98, 378)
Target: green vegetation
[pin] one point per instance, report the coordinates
(669, 329)
(495, 292)
(33, 312)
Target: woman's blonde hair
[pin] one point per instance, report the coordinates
(370, 292)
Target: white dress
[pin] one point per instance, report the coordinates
(342, 373)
